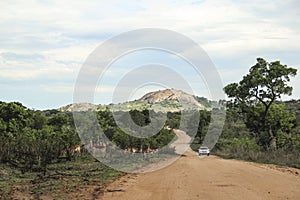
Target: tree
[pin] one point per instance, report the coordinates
(15, 115)
(264, 84)
(69, 139)
(39, 120)
(121, 139)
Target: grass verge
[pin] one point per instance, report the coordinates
(277, 157)
(83, 178)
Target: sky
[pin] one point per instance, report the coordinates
(43, 44)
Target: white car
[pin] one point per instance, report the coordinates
(203, 151)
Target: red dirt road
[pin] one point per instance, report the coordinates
(191, 177)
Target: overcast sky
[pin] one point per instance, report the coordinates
(43, 44)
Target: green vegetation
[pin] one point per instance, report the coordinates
(117, 135)
(30, 140)
(259, 127)
(204, 101)
(38, 156)
(255, 95)
(83, 178)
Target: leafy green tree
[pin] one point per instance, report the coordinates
(46, 141)
(68, 139)
(39, 120)
(264, 84)
(15, 115)
(173, 120)
(58, 120)
(121, 139)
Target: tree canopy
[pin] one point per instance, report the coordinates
(265, 83)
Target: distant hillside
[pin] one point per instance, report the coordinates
(78, 107)
(168, 100)
(169, 95)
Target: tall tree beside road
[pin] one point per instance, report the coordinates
(262, 86)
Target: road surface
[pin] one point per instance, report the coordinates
(191, 177)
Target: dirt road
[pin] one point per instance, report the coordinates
(191, 177)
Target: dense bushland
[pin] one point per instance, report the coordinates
(30, 140)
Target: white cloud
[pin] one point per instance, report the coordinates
(21, 67)
(57, 88)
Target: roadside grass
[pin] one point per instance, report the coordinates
(61, 181)
(277, 157)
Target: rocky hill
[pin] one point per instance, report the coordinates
(78, 107)
(168, 100)
(171, 96)
(166, 95)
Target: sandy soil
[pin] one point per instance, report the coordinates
(193, 177)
